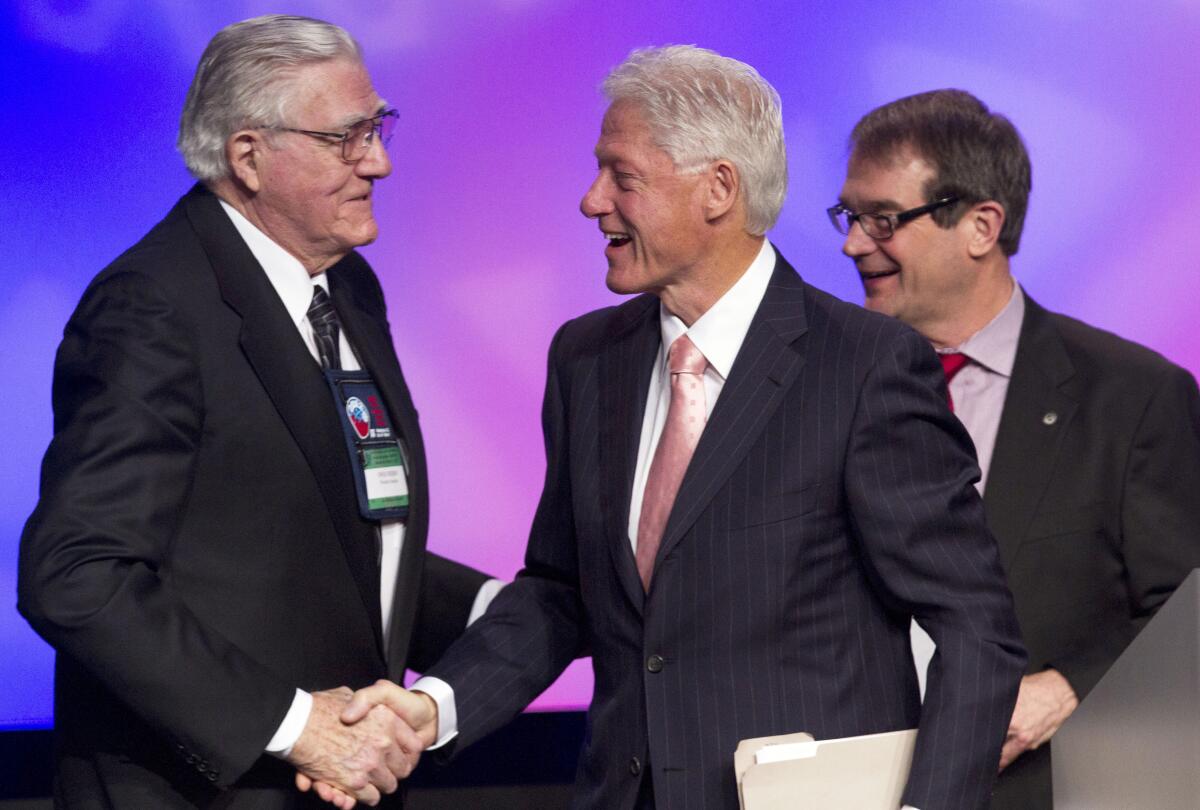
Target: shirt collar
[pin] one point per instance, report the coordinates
(287, 275)
(719, 332)
(995, 345)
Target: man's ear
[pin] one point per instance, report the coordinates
(244, 151)
(983, 223)
(722, 187)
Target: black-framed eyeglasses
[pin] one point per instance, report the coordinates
(358, 137)
(881, 226)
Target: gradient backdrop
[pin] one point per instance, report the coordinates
(483, 252)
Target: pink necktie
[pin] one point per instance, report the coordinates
(685, 422)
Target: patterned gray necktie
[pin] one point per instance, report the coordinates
(324, 320)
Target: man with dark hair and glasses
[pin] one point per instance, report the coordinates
(234, 506)
(1089, 445)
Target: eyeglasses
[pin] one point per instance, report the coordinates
(881, 226)
(358, 137)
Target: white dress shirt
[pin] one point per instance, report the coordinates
(718, 334)
(294, 286)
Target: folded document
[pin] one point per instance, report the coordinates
(796, 772)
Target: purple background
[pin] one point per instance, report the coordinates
(483, 252)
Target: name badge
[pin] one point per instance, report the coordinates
(376, 452)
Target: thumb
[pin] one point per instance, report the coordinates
(381, 693)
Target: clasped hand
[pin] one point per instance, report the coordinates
(357, 746)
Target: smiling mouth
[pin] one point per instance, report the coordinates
(880, 274)
(617, 239)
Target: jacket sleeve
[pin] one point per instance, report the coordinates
(448, 591)
(535, 626)
(94, 578)
(909, 481)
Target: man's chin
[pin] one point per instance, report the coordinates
(622, 280)
(882, 304)
(363, 235)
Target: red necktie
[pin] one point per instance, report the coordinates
(686, 417)
(952, 363)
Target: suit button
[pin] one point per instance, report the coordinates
(192, 759)
(654, 663)
(202, 767)
(212, 776)
(635, 766)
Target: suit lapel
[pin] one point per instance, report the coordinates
(766, 366)
(624, 369)
(373, 345)
(294, 384)
(1026, 446)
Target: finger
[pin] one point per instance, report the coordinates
(303, 783)
(381, 776)
(337, 798)
(369, 795)
(403, 760)
(1008, 753)
(381, 693)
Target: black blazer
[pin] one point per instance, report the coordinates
(196, 553)
(1092, 496)
(830, 498)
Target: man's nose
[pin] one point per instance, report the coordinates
(857, 242)
(376, 162)
(595, 202)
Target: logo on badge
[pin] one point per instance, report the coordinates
(360, 418)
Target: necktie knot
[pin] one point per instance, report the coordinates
(952, 363)
(324, 320)
(684, 358)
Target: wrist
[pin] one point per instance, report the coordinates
(429, 728)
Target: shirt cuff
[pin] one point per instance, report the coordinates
(443, 695)
(487, 592)
(292, 726)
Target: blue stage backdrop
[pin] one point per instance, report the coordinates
(482, 242)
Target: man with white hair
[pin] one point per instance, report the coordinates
(751, 488)
(234, 505)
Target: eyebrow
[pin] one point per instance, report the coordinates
(873, 206)
(351, 120)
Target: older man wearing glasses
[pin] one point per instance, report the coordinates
(234, 505)
(1089, 444)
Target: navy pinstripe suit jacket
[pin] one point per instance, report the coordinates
(830, 498)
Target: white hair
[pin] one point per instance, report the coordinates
(242, 79)
(700, 107)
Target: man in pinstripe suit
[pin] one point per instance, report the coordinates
(829, 498)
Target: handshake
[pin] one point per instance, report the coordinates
(357, 746)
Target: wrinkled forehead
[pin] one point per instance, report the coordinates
(624, 116)
(626, 132)
(338, 92)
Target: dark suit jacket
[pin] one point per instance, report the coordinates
(197, 553)
(1095, 508)
(830, 498)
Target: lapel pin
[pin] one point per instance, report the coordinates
(1049, 418)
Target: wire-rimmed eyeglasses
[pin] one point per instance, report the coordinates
(881, 226)
(358, 137)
